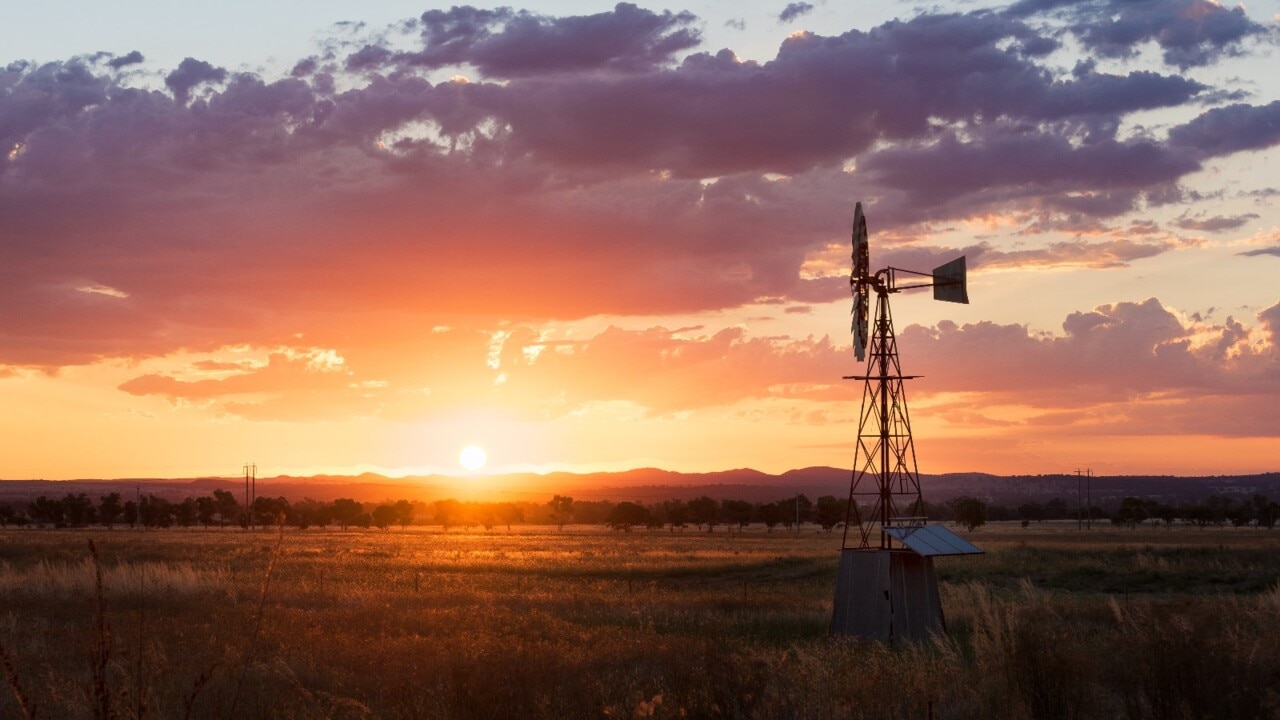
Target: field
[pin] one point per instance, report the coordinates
(1051, 623)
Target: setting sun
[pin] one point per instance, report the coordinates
(472, 457)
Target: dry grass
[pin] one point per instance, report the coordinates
(158, 580)
(590, 623)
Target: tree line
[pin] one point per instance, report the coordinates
(222, 509)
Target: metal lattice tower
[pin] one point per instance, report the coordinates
(884, 469)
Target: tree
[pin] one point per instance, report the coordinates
(270, 511)
(796, 510)
(829, 512)
(1266, 511)
(206, 510)
(186, 513)
(78, 510)
(1241, 515)
(307, 512)
(969, 512)
(346, 512)
(626, 515)
(384, 516)
(44, 511)
(738, 512)
(704, 511)
(1132, 512)
(448, 512)
(509, 513)
(484, 514)
(1218, 508)
(1198, 514)
(770, 514)
(228, 508)
(404, 513)
(677, 513)
(1165, 513)
(561, 509)
(155, 511)
(110, 509)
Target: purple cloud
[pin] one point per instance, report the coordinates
(1217, 223)
(821, 100)
(189, 74)
(1191, 33)
(132, 58)
(794, 10)
(1230, 129)
(266, 207)
(951, 169)
(1273, 250)
(507, 43)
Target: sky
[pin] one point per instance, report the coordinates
(330, 238)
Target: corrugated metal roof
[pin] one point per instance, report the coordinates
(933, 540)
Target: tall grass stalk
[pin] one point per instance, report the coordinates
(100, 654)
(257, 620)
(26, 707)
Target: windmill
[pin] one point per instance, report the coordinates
(886, 588)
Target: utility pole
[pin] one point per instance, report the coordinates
(250, 492)
(1079, 500)
(1088, 495)
(1086, 476)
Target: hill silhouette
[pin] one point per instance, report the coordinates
(654, 484)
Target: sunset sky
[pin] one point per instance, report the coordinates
(346, 237)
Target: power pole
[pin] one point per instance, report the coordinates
(1088, 495)
(250, 491)
(1086, 476)
(1079, 499)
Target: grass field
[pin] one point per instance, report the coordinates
(1051, 623)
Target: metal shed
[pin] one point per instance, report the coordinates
(889, 595)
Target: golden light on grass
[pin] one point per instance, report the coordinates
(472, 458)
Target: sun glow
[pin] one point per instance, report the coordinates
(472, 457)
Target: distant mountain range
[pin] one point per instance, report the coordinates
(653, 485)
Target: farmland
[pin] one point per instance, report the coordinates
(1146, 623)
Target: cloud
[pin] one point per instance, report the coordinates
(132, 58)
(1113, 354)
(509, 43)
(794, 10)
(1050, 166)
(190, 73)
(1123, 360)
(1273, 250)
(664, 371)
(1191, 33)
(1230, 129)
(282, 373)
(596, 164)
(1217, 223)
